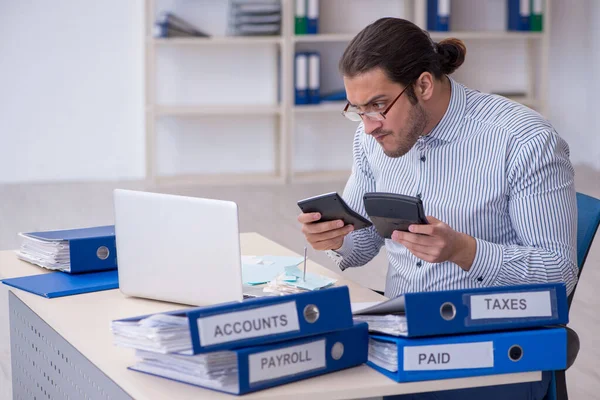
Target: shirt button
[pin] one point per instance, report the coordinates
(480, 279)
(418, 195)
(423, 158)
(419, 263)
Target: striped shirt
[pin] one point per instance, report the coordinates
(492, 169)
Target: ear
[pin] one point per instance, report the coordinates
(424, 86)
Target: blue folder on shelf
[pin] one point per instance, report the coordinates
(438, 15)
(59, 284)
(255, 368)
(519, 14)
(256, 321)
(72, 250)
(470, 310)
(421, 359)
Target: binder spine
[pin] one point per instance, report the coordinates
(314, 79)
(92, 254)
(300, 20)
(537, 15)
(476, 354)
(513, 307)
(438, 15)
(270, 320)
(519, 13)
(301, 78)
(267, 366)
(312, 17)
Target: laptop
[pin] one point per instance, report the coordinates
(177, 249)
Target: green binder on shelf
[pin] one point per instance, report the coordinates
(536, 21)
(300, 18)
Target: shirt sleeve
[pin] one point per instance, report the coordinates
(360, 246)
(543, 209)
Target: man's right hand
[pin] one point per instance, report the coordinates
(323, 235)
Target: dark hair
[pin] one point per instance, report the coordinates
(403, 51)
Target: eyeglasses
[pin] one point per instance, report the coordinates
(358, 116)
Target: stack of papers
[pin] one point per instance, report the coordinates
(387, 317)
(292, 281)
(216, 370)
(254, 17)
(160, 333)
(50, 254)
(384, 354)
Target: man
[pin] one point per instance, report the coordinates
(494, 177)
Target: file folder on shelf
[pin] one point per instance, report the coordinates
(72, 250)
(469, 310)
(314, 77)
(59, 284)
(536, 22)
(301, 78)
(421, 359)
(438, 15)
(300, 20)
(519, 13)
(312, 17)
(238, 324)
(255, 368)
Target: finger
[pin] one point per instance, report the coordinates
(415, 238)
(319, 227)
(306, 218)
(327, 244)
(422, 229)
(328, 235)
(420, 249)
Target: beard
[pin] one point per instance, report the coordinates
(405, 139)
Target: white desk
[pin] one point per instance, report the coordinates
(78, 327)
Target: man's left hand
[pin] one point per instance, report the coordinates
(437, 242)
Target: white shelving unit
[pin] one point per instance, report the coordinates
(309, 142)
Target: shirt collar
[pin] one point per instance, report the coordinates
(449, 126)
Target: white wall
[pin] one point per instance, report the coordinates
(71, 87)
(71, 90)
(574, 84)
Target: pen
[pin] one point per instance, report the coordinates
(304, 274)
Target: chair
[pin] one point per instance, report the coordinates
(588, 220)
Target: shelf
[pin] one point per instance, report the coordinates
(320, 176)
(217, 40)
(477, 35)
(326, 107)
(324, 37)
(483, 35)
(219, 179)
(191, 111)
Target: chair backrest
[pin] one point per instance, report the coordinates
(588, 220)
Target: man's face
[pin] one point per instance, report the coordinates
(404, 123)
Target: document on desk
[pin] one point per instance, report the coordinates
(248, 369)
(468, 310)
(473, 354)
(257, 270)
(237, 324)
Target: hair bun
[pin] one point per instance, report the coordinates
(452, 54)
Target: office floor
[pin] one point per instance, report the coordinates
(271, 211)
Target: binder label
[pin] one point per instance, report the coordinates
(256, 322)
(511, 305)
(286, 361)
(449, 356)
